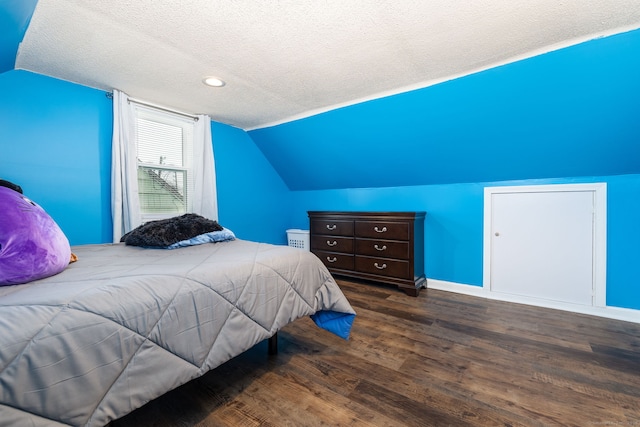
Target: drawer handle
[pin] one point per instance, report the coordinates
(378, 230)
(384, 247)
(331, 227)
(380, 267)
(329, 243)
(332, 259)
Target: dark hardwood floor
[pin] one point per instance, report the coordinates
(441, 359)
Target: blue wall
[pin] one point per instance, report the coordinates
(253, 201)
(55, 142)
(14, 21)
(623, 241)
(572, 112)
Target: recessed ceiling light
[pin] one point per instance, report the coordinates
(213, 81)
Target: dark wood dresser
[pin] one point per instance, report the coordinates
(385, 247)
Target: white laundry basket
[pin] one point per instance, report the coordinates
(298, 238)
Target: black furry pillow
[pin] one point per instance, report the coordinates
(11, 185)
(166, 232)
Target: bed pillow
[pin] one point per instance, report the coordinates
(32, 246)
(165, 232)
(11, 185)
(214, 237)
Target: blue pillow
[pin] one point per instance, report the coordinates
(212, 237)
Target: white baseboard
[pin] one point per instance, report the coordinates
(625, 314)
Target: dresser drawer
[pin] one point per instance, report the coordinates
(384, 267)
(332, 243)
(331, 227)
(383, 248)
(335, 260)
(382, 230)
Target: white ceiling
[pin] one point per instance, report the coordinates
(286, 59)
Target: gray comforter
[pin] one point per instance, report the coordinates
(124, 325)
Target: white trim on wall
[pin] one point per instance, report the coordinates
(599, 236)
(617, 313)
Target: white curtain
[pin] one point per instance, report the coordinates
(125, 205)
(205, 201)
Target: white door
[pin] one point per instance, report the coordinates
(542, 245)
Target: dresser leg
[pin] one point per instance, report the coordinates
(413, 291)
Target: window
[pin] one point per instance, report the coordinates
(161, 161)
(164, 162)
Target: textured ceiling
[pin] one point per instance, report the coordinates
(288, 59)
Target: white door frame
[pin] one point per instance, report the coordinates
(599, 231)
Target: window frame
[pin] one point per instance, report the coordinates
(187, 124)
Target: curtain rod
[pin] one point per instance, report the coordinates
(148, 104)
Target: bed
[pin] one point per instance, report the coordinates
(123, 324)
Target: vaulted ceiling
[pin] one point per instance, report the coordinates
(290, 59)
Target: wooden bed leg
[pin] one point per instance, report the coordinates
(273, 344)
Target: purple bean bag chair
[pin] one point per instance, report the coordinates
(32, 246)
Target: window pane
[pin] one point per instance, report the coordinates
(159, 143)
(162, 190)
